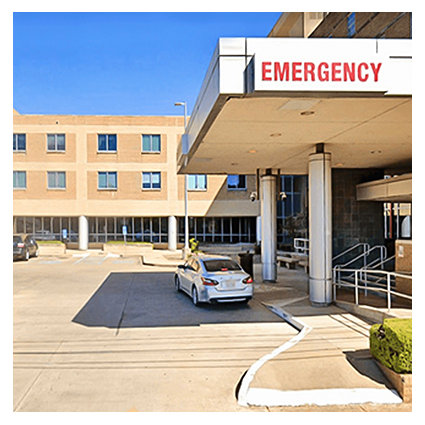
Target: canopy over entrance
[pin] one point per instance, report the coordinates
(266, 103)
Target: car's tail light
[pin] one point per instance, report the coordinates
(248, 280)
(208, 282)
(21, 245)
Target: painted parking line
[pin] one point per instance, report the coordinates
(49, 261)
(93, 259)
(83, 257)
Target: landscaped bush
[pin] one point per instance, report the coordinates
(391, 344)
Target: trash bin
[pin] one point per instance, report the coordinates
(246, 260)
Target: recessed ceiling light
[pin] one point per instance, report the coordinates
(252, 151)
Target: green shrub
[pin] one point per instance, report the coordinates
(391, 344)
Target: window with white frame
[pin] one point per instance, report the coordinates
(197, 182)
(151, 143)
(56, 142)
(56, 180)
(19, 142)
(19, 179)
(236, 182)
(106, 142)
(107, 180)
(151, 180)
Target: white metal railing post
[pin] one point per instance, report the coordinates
(356, 285)
(389, 291)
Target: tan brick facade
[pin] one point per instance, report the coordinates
(81, 161)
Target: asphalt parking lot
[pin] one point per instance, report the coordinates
(104, 333)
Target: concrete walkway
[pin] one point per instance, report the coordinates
(326, 363)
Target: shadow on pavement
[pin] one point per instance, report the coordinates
(126, 300)
(365, 364)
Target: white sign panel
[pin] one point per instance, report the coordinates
(319, 74)
(326, 65)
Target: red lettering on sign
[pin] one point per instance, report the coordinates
(323, 75)
(265, 70)
(375, 69)
(309, 71)
(324, 71)
(336, 70)
(281, 71)
(349, 71)
(362, 77)
(296, 69)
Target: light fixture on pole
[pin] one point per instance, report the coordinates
(186, 217)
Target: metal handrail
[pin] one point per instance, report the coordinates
(365, 245)
(387, 290)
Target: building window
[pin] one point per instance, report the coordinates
(19, 142)
(351, 24)
(151, 180)
(19, 179)
(151, 143)
(107, 180)
(106, 142)
(219, 229)
(197, 182)
(56, 180)
(236, 182)
(56, 142)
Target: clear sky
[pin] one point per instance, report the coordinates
(119, 63)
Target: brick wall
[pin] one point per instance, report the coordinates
(354, 221)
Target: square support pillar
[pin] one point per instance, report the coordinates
(320, 228)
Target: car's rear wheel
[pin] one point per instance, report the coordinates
(177, 283)
(195, 298)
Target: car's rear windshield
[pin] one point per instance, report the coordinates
(17, 239)
(220, 265)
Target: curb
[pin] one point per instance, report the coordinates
(273, 398)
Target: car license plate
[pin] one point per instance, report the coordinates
(230, 285)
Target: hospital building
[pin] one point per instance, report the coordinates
(304, 134)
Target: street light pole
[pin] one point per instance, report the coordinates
(186, 216)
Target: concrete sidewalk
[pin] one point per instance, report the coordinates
(327, 364)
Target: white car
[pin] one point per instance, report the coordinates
(208, 278)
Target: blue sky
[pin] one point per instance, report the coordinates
(119, 63)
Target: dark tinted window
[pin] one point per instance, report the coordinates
(221, 265)
(17, 239)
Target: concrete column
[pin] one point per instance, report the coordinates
(83, 232)
(320, 228)
(172, 233)
(268, 227)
